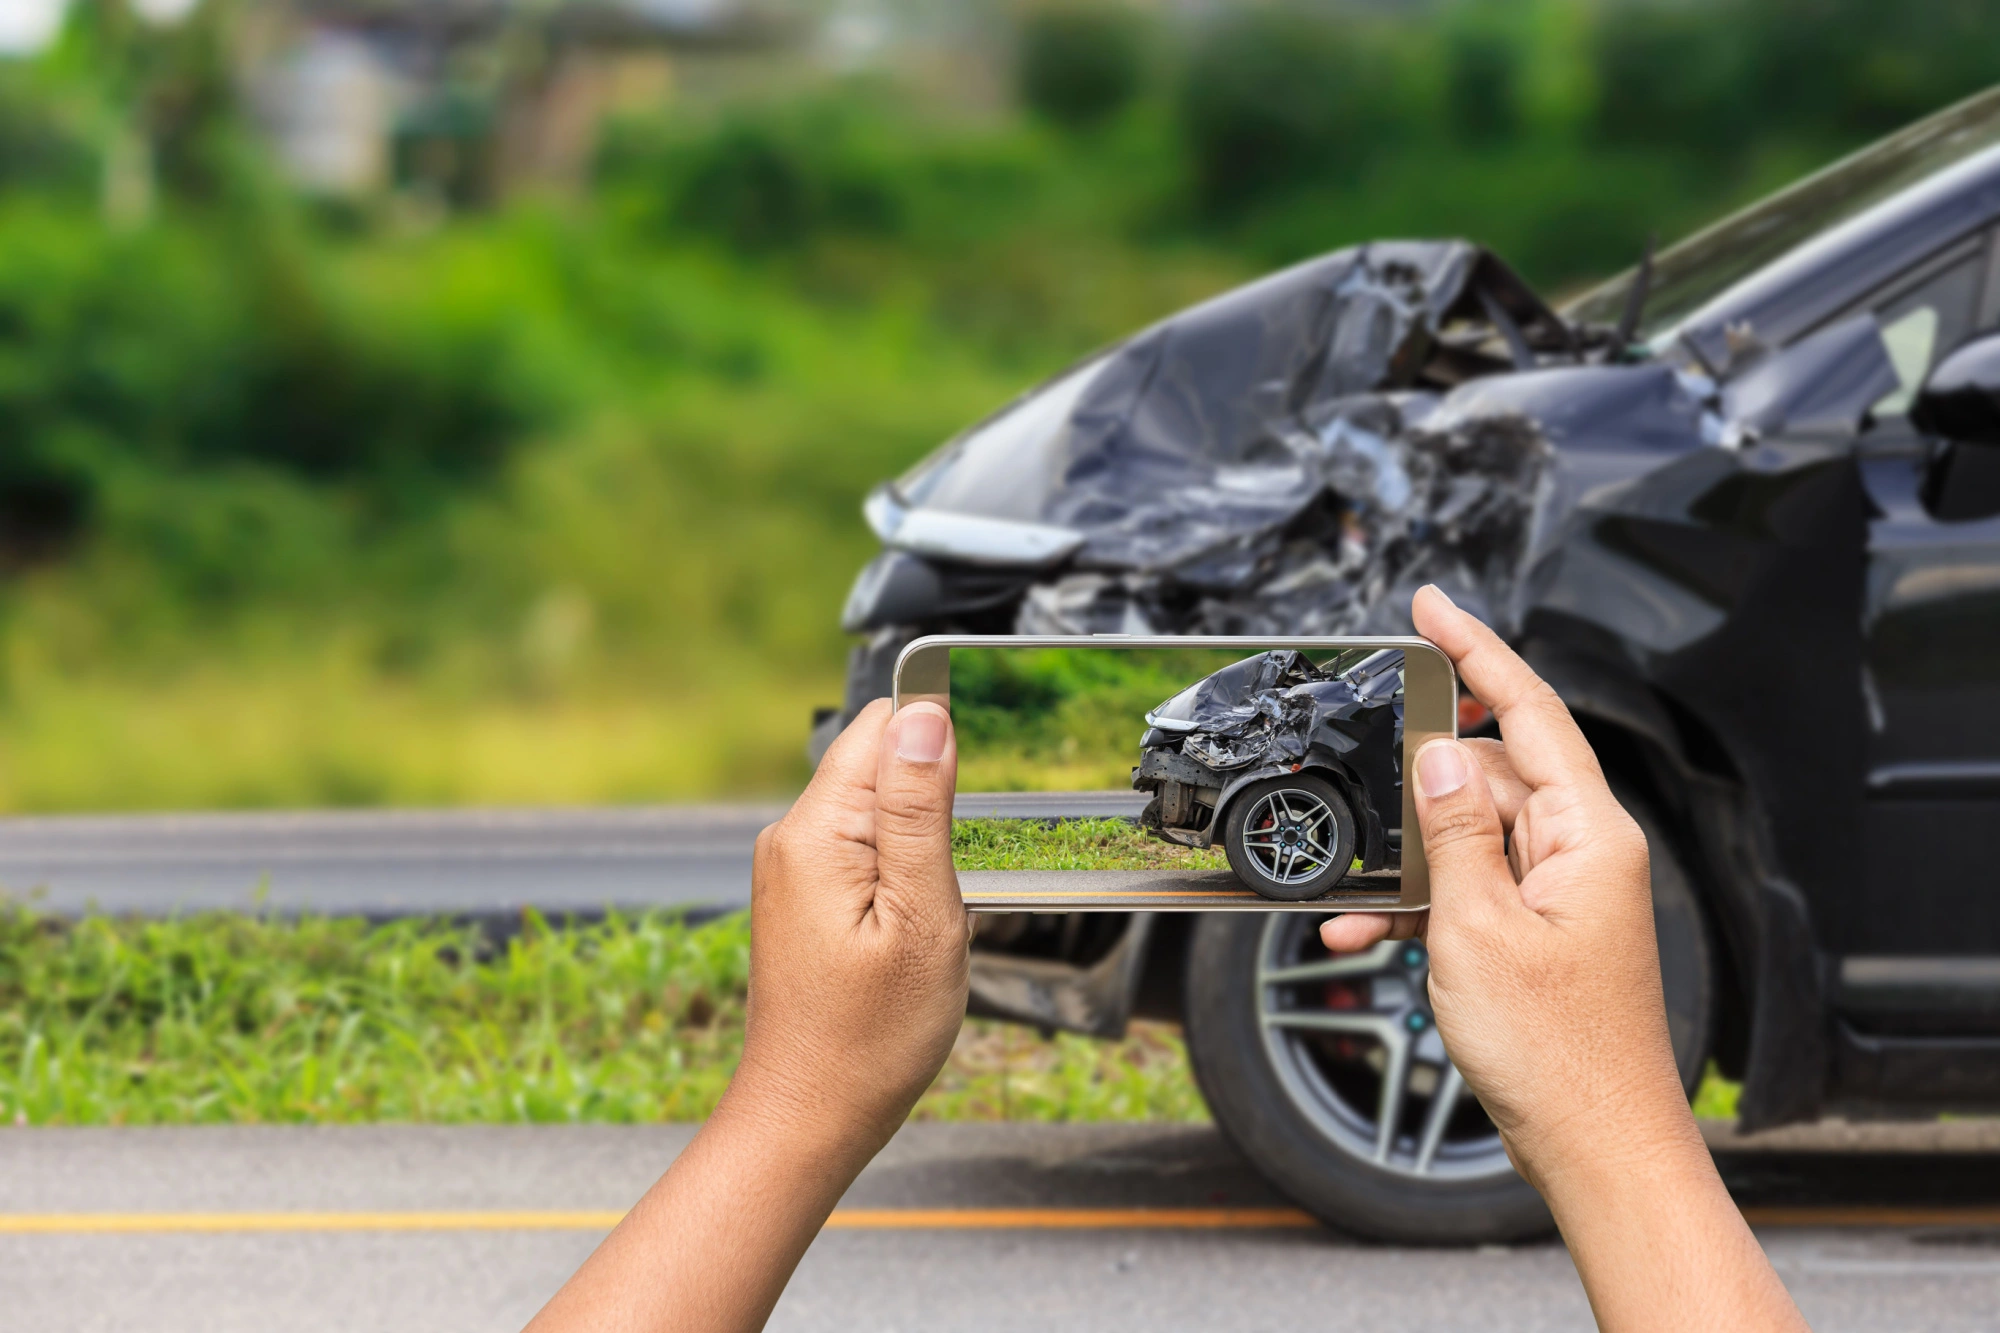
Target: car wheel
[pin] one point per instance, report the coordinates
(1289, 838)
(1328, 1073)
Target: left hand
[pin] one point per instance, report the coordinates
(859, 942)
(859, 953)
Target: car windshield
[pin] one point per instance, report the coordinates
(1364, 661)
(1690, 274)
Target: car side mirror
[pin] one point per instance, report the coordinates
(1960, 401)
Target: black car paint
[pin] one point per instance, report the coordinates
(1772, 608)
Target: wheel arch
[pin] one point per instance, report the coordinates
(1669, 758)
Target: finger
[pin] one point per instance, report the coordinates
(1543, 741)
(918, 768)
(1352, 932)
(1463, 842)
(844, 783)
(1509, 792)
(832, 824)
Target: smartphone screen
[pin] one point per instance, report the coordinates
(1184, 774)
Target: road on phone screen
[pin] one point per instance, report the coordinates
(955, 1227)
(400, 862)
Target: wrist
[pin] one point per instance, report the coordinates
(802, 1120)
(1612, 1147)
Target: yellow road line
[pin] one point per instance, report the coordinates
(863, 1219)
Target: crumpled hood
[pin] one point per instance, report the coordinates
(1196, 429)
(1298, 455)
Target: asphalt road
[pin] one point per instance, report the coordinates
(441, 1229)
(400, 862)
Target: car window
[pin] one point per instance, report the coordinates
(1697, 270)
(1924, 319)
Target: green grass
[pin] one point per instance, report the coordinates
(1716, 1097)
(243, 1020)
(228, 1019)
(1070, 844)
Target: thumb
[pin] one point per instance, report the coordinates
(913, 790)
(1463, 842)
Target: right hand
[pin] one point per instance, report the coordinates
(1545, 975)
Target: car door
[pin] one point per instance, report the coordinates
(1921, 940)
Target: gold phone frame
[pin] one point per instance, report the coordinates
(1430, 710)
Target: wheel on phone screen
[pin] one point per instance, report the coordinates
(1290, 838)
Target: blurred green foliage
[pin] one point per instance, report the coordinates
(1079, 64)
(1063, 719)
(555, 499)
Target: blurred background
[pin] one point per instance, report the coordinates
(470, 401)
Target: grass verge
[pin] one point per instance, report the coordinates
(225, 1019)
(1070, 844)
(231, 1019)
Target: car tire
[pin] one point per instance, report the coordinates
(1687, 949)
(1304, 1104)
(1253, 811)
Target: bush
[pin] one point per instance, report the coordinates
(1080, 65)
(1482, 85)
(187, 347)
(1725, 76)
(38, 148)
(1276, 101)
(762, 180)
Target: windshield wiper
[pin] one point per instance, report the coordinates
(1635, 300)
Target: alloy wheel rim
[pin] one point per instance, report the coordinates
(1290, 835)
(1355, 1046)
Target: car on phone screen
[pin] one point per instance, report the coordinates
(1290, 766)
(1739, 506)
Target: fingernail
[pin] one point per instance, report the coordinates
(1442, 768)
(920, 735)
(1442, 593)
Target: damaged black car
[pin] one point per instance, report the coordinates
(1290, 766)
(1740, 506)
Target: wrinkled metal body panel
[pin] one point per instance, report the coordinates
(1727, 583)
(1264, 460)
(1680, 545)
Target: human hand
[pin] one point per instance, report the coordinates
(858, 938)
(858, 961)
(1544, 972)
(1545, 982)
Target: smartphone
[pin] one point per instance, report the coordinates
(1128, 773)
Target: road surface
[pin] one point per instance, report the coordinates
(400, 862)
(955, 1227)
